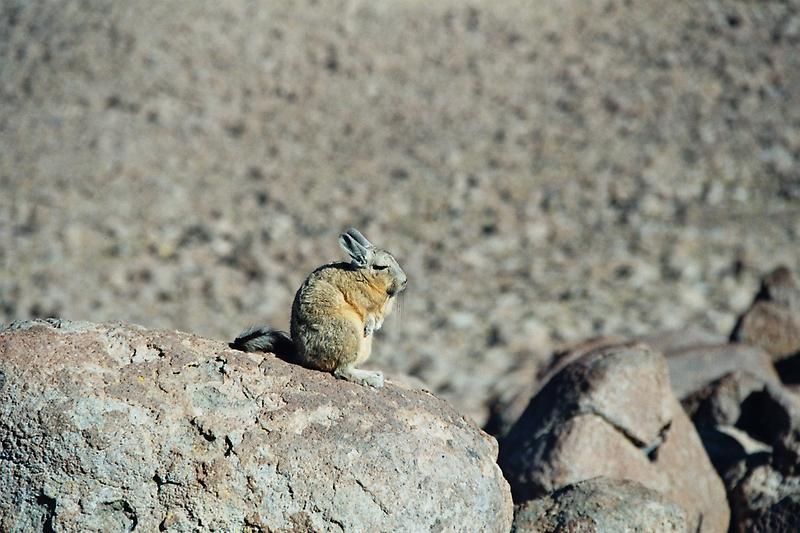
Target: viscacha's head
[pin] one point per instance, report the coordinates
(379, 266)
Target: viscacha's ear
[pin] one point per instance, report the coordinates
(359, 237)
(360, 255)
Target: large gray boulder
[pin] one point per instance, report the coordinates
(612, 413)
(601, 505)
(110, 427)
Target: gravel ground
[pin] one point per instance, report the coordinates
(543, 172)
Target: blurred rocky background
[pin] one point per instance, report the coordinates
(544, 172)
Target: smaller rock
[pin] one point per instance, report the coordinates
(762, 498)
(573, 351)
(764, 488)
(719, 403)
(773, 321)
(780, 286)
(691, 369)
(766, 413)
(599, 505)
(771, 326)
(514, 392)
(781, 517)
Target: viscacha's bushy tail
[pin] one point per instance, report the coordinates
(265, 339)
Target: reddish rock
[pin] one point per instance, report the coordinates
(612, 413)
(773, 321)
(771, 326)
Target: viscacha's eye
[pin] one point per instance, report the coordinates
(380, 267)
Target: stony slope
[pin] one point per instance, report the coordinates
(543, 172)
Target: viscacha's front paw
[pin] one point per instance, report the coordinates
(369, 326)
(374, 379)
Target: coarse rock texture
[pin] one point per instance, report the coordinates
(612, 413)
(781, 517)
(600, 505)
(112, 427)
(762, 497)
(544, 171)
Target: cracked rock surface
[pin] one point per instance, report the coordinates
(110, 427)
(611, 413)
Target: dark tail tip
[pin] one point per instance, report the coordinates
(265, 339)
